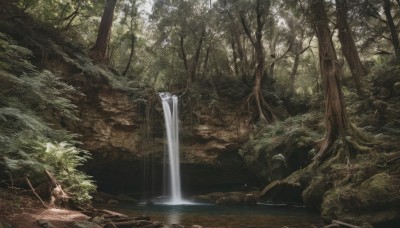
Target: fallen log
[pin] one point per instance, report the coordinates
(345, 224)
(112, 213)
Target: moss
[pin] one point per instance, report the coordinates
(314, 193)
(374, 195)
(293, 138)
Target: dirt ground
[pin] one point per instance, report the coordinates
(21, 210)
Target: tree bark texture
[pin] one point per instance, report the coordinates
(392, 28)
(336, 119)
(99, 50)
(348, 46)
(265, 112)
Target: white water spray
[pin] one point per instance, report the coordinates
(170, 107)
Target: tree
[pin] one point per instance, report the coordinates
(233, 30)
(99, 50)
(348, 46)
(70, 18)
(261, 10)
(132, 12)
(181, 27)
(298, 33)
(336, 119)
(392, 28)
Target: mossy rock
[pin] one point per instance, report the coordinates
(314, 193)
(231, 199)
(375, 199)
(209, 198)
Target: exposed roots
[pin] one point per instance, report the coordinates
(350, 141)
(264, 111)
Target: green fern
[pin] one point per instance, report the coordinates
(27, 141)
(62, 159)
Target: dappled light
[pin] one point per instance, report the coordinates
(215, 113)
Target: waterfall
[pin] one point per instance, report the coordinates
(170, 107)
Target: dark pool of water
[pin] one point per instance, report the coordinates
(226, 216)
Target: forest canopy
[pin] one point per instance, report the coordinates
(180, 42)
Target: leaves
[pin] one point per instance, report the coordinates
(35, 155)
(28, 143)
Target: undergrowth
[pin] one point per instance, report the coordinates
(290, 142)
(29, 144)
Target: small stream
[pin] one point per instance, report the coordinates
(265, 215)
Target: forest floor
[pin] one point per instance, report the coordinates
(19, 209)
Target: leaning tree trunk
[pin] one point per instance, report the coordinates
(392, 28)
(128, 65)
(336, 119)
(99, 50)
(348, 46)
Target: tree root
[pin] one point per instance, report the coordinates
(265, 111)
(357, 145)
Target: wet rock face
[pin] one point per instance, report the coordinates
(126, 149)
(126, 137)
(108, 120)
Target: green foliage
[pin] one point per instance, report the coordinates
(27, 141)
(35, 155)
(291, 141)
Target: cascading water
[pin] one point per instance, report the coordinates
(170, 107)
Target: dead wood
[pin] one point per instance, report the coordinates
(344, 224)
(58, 196)
(34, 192)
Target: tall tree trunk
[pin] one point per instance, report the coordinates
(272, 48)
(195, 59)
(205, 66)
(294, 72)
(192, 64)
(183, 53)
(392, 28)
(237, 45)
(348, 46)
(265, 112)
(235, 57)
(128, 65)
(99, 50)
(336, 120)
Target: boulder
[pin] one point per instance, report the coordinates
(126, 199)
(232, 198)
(210, 198)
(112, 201)
(373, 201)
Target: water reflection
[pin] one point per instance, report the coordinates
(224, 216)
(173, 218)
